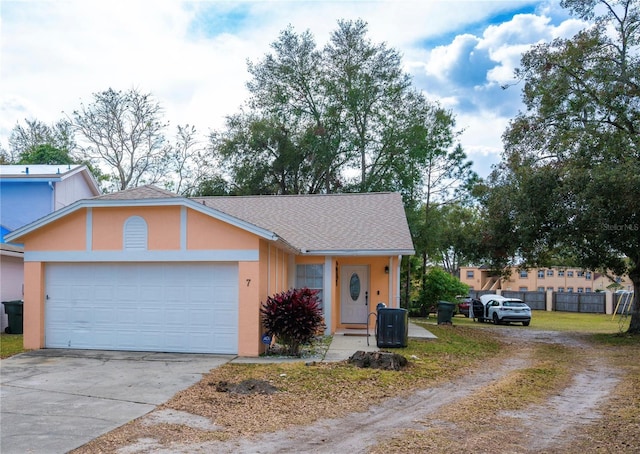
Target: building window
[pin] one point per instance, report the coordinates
(580, 274)
(588, 275)
(469, 274)
(135, 234)
(524, 274)
(560, 289)
(560, 273)
(523, 289)
(569, 289)
(587, 290)
(541, 289)
(550, 273)
(580, 290)
(310, 276)
(540, 274)
(550, 289)
(569, 273)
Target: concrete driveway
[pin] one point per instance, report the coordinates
(53, 401)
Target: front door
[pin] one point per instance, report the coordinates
(354, 294)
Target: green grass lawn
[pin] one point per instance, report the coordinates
(10, 344)
(563, 321)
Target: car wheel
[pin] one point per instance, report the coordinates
(526, 323)
(496, 320)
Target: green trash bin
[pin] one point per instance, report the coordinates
(445, 312)
(13, 309)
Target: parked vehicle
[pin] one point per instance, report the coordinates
(464, 303)
(499, 310)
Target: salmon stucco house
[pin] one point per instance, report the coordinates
(147, 270)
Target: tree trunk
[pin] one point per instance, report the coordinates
(634, 325)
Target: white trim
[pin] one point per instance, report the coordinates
(398, 277)
(391, 302)
(359, 253)
(327, 302)
(89, 231)
(231, 255)
(183, 228)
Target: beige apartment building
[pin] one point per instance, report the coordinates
(557, 279)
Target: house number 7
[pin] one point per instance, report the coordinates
(248, 282)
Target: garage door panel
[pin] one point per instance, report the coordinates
(147, 307)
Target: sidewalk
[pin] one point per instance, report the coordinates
(346, 343)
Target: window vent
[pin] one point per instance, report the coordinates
(135, 234)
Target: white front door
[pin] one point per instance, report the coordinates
(354, 294)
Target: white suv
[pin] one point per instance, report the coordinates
(500, 310)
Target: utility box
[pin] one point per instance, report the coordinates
(392, 328)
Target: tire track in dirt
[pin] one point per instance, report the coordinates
(357, 432)
(547, 426)
(551, 424)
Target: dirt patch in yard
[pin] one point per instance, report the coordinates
(573, 404)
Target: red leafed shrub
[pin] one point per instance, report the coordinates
(293, 317)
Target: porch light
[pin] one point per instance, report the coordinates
(386, 269)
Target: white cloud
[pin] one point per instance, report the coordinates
(192, 55)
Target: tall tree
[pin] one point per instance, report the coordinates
(367, 88)
(35, 142)
(124, 131)
(570, 178)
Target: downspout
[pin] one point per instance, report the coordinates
(397, 286)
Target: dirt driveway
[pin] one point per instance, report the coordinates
(467, 415)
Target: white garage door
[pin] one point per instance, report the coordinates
(163, 307)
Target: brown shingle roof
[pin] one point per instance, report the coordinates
(335, 222)
(142, 192)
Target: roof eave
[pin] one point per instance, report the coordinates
(170, 201)
(358, 252)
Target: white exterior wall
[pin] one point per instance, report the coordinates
(72, 189)
(11, 281)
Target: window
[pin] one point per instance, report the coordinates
(469, 274)
(560, 273)
(569, 273)
(560, 289)
(135, 234)
(588, 275)
(541, 289)
(580, 274)
(540, 274)
(569, 289)
(310, 276)
(523, 289)
(587, 290)
(550, 289)
(524, 274)
(550, 273)
(580, 290)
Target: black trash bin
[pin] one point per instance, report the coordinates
(13, 309)
(392, 328)
(445, 312)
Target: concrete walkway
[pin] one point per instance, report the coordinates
(346, 342)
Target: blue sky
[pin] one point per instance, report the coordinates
(191, 55)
